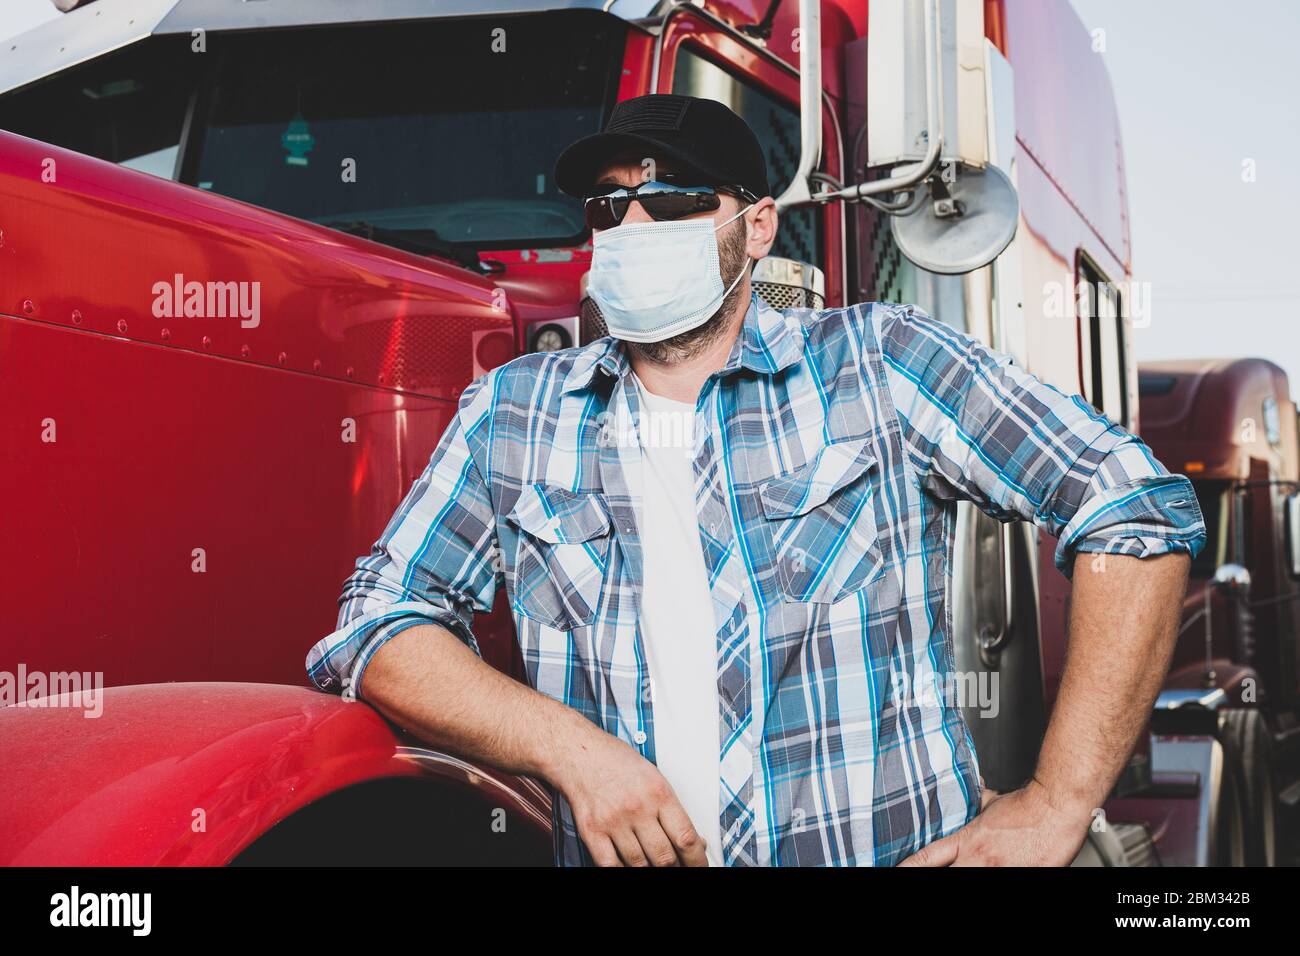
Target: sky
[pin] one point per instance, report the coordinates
(1204, 88)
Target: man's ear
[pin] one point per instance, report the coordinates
(763, 221)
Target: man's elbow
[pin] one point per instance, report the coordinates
(1130, 587)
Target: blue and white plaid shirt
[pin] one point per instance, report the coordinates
(829, 454)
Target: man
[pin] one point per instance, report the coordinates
(728, 642)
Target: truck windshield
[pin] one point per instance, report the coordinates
(447, 129)
(419, 133)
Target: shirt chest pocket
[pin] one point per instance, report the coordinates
(560, 556)
(822, 521)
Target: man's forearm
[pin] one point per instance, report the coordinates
(429, 683)
(1123, 623)
(432, 685)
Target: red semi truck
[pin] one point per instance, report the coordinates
(250, 254)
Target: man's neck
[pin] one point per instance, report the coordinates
(681, 380)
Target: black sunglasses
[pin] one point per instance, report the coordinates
(663, 202)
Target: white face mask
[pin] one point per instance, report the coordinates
(654, 280)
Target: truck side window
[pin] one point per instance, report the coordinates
(776, 124)
(1102, 343)
(127, 107)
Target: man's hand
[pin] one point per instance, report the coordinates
(627, 813)
(1022, 828)
(1123, 623)
(429, 683)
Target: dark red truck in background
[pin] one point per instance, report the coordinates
(1230, 425)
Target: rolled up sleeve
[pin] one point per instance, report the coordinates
(434, 564)
(979, 427)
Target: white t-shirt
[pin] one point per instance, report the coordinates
(677, 620)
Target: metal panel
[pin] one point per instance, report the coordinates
(896, 87)
(1203, 758)
(76, 37)
(1067, 123)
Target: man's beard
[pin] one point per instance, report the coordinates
(679, 348)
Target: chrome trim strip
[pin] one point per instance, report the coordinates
(1211, 699)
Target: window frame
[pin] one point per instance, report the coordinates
(1103, 349)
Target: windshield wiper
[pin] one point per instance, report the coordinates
(424, 241)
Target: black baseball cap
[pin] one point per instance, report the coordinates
(705, 142)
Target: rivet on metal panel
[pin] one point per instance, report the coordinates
(282, 357)
(349, 371)
(76, 316)
(245, 351)
(315, 365)
(29, 306)
(207, 342)
(121, 326)
(166, 335)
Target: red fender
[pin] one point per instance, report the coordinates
(192, 774)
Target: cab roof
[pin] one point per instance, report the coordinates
(1210, 417)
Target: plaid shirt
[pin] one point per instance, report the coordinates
(830, 452)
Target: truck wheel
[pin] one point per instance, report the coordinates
(1248, 751)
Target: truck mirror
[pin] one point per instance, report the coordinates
(1232, 579)
(939, 102)
(934, 80)
(1293, 534)
(959, 228)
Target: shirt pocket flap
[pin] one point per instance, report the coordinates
(835, 466)
(558, 515)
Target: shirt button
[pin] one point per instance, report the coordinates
(639, 737)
